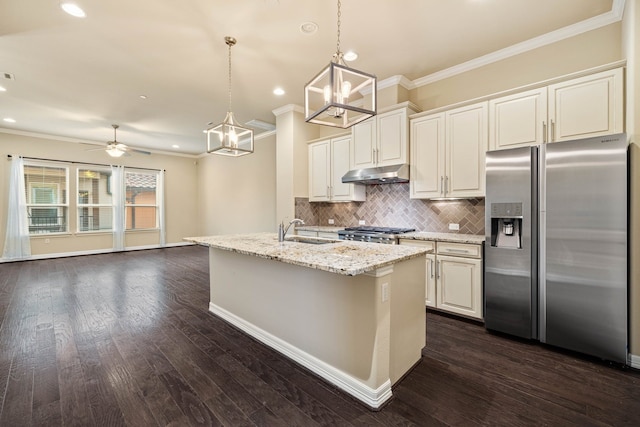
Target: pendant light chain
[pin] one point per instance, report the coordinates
(338, 43)
(230, 42)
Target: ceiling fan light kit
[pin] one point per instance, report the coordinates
(229, 138)
(340, 96)
(114, 148)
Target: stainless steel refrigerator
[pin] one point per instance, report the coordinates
(556, 244)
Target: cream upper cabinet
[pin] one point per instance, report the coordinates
(586, 107)
(382, 140)
(427, 157)
(447, 153)
(466, 145)
(364, 144)
(328, 161)
(578, 108)
(518, 120)
(319, 171)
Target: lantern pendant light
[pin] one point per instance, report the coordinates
(229, 138)
(340, 96)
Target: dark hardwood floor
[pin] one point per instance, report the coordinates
(126, 339)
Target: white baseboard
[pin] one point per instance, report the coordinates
(634, 361)
(373, 398)
(95, 252)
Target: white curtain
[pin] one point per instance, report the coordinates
(118, 194)
(160, 202)
(17, 244)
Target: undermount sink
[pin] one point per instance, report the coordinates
(309, 240)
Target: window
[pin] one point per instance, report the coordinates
(46, 193)
(141, 201)
(95, 205)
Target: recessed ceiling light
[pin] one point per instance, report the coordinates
(350, 56)
(73, 9)
(278, 91)
(9, 120)
(308, 27)
(2, 89)
(143, 96)
(175, 146)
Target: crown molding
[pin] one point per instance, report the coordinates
(396, 81)
(613, 16)
(288, 108)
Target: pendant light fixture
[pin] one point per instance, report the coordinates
(229, 138)
(334, 97)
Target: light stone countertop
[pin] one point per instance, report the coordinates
(341, 257)
(444, 237)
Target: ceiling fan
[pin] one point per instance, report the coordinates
(117, 149)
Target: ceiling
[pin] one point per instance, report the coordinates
(74, 77)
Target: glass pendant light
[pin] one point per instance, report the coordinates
(334, 97)
(229, 138)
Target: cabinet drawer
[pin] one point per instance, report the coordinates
(460, 249)
(426, 244)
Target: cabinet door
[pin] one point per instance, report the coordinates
(430, 298)
(392, 139)
(340, 164)
(459, 286)
(427, 157)
(518, 120)
(319, 171)
(430, 284)
(466, 144)
(364, 144)
(587, 106)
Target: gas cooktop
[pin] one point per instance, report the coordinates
(374, 234)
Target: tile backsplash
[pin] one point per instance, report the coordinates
(389, 205)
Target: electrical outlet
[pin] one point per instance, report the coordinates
(385, 292)
(454, 227)
(331, 221)
(361, 222)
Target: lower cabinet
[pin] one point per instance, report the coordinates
(454, 276)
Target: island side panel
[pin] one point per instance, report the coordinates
(408, 316)
(338, 319)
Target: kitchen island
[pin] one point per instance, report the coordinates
(351, 312)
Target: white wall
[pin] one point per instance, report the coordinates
(238, 194)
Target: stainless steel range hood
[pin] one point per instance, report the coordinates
(379, 175)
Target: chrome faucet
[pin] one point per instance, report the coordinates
(282, 231)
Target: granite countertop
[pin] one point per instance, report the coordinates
(444, 237)
(341, 257)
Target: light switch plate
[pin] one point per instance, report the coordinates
(454, 227)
